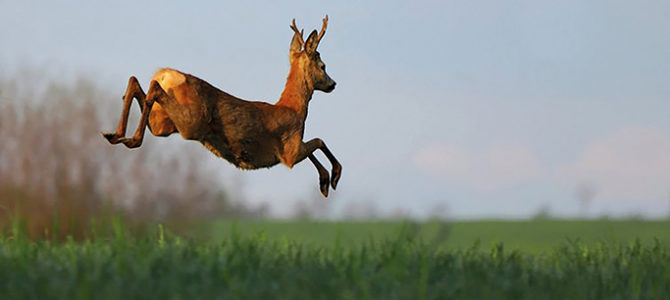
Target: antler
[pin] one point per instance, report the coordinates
(323, 29)
(298, 32)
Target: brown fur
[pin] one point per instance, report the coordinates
(248, 134)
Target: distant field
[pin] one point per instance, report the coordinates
(528, 236)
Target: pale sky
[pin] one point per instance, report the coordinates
(488, 108)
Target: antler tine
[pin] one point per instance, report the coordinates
(298, 32)
(323, 28)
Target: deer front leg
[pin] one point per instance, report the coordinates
(337, 167)
(306, 150)
(133, 90)
(317, 143)
(155, 94)
(324, 179)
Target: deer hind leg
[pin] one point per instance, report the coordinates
(155, 94)
(133, 90)
(160, 123)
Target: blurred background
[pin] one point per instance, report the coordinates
(443, 109)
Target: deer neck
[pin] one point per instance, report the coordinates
(297, 92)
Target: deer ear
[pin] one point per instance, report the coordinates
(312, 42)
(296, 43)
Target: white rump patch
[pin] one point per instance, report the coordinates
(169, 78)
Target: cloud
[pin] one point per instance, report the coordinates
(495, 167)
(629, 164)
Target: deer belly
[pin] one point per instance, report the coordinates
(254, 156)
(248, 158)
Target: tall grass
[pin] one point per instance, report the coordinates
(165, 266)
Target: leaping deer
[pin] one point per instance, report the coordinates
(248, 134)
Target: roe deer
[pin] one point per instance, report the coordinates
(248, 134)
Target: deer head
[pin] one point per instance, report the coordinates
(303, 55)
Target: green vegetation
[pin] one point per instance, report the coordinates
(398, 264)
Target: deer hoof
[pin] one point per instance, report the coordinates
(112, 137)
(131, 142)
(323, 183)
(337, 172)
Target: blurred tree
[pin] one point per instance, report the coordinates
(585, 193)
(543, 213)
(363, 209)
(314, 208)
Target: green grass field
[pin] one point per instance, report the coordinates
(526, 236)
(380, 260)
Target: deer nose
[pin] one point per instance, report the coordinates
(332, 86)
